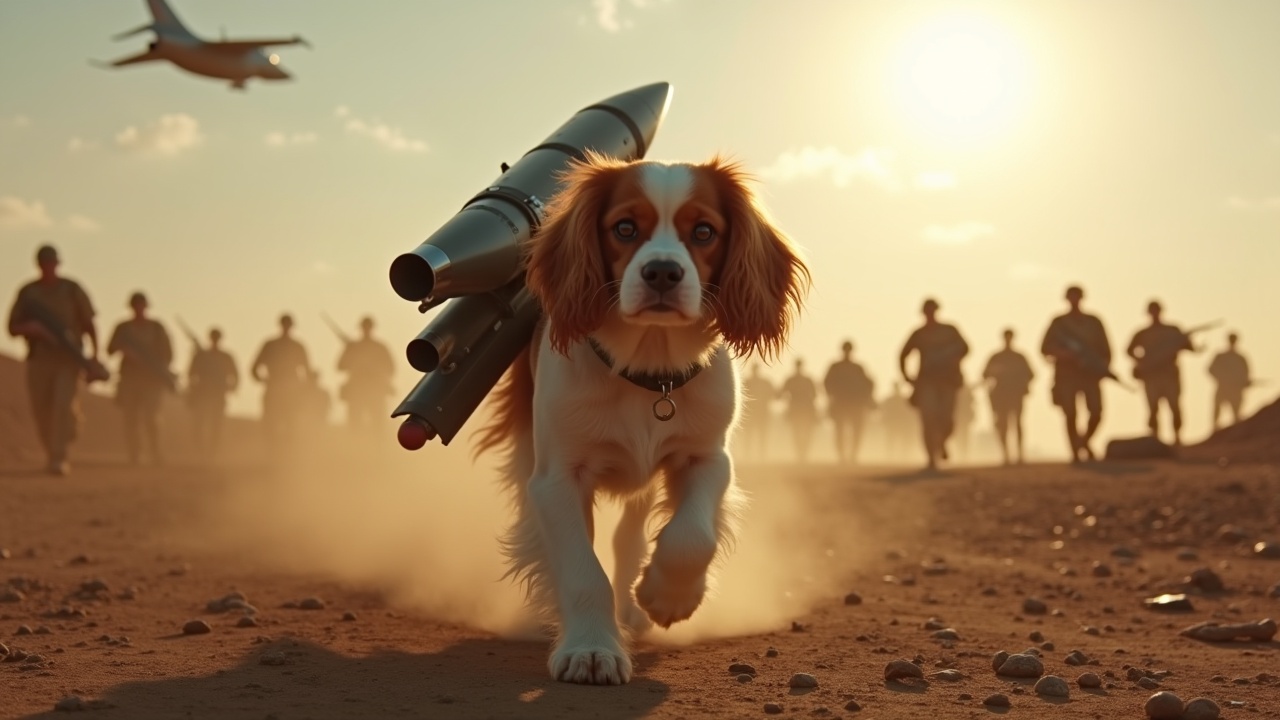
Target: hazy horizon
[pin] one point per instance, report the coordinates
(987, 154)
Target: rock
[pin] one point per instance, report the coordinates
(1232, 533)
(1052, 686)
(738, 668)
(998, 659)
(348, 616)
(1201, 709)
(248, 621)
(1206, 580)
(1268, 550)
(1261, 631)
(1143, 447)
(5, 554)
(1036, 636)
(4, 649)
(229, 602)
(196, 627)
(853, 598)
(803, 680)
(772, 709)
(1101, 570)
(1089, 681)
(946, 634)
(70, 703)
(997, 700)
(934, 624)
(94, 586)
(1077, 658)
(274, 657)
(24, 630)
(311, 603)
(11, 595)
(1034, 606)
(745, 678)
(1188, 555)
(1147, 683)
(1164, 706)
(1022, 666)
(901, 670)
(1090, 630)
(1274, 592)
(852, 706)
(771, 652)
(1170, 603)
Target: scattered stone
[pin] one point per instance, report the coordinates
(93, 587)
(1032, 651)
(1075, 657)
(70, 703)
(853, 598)
(948, 675)
(1101, 570)
(797, 627)
(1267, 549)
(1206, 580)
(1201, 709)
(4, 649)
(230, 601)
(745, 678)
(43, 630)
(311, 603)
(739, 668)
(1188, 555)
(5, 554)
(1124, 551)
(1047, 646)
(1170, 603)
(998, 659)
(803, 680)
(1022, 666)
(248, 621)
(946, 634)
(348, 616)
(1274, 592)
(275, 657)
(1089, 681)
(997, 700)
(11, 595)
(24, 630)
(196, 627)
(934, 624)
(1147, 683)
(772, 709)
(1164, 706)
(1034, 606)
(771, 652)
(1232, 533)
(901, 670)
(1036, 636)
(1261, 631)
(1052, 686)
(1090, 630)
(852, 706)
(79, 560)
(937, 567)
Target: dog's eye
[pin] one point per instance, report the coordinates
(625, 230)
(703, 233)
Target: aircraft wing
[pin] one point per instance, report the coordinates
(147, 56)
(242, 46)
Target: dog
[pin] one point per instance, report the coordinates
(649, 275)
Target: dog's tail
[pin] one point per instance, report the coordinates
(512, 408)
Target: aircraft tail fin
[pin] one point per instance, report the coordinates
(164, 20)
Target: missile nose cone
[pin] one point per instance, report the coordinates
(646, 106)
(413, 434)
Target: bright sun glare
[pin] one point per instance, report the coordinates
(961, 74)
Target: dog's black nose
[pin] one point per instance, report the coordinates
(662, 275)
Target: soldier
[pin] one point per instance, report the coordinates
(369, 369)
(850, 396)
(211, 377)
(801, 395)
(53, 372)
(757, 412)
(1077, 345)
(1009, 377)
(938, 379)
(288, 374)
(146, 353)
(1230, 372)
(1155, 351)
(897, 417)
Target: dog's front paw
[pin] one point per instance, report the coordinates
(632, 617)
(601, 663)
(669, 600)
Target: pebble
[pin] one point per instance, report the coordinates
(852, 706)
(196, 627)
(1232, 533)
(1124, 551)
(997, 700)
(1188, 555)
(1052, 686)
(745, 678)
(771, 652)
(274, 657)
(248, 621)
(4, 649)
(998, 659)
(948, 675)
(1022, 666)
(231, 601)
(1101, 570)
(311, 603)
(24, 630)
(1036, 636)
(1268, 550)
(1089, 680)
(1164, 706)
(1274, 592)
(11, 595)
(1077, 658)
(803, 680)
(70, 703)
(901, 669)
(1170, 603)
(5, 554)
(946, 634)
(739, 668)
(1147, 683)
(1034, 606)
(1201, 709)
(348, 616)
(772, 709)
(853, 598)
(94, 586)
(1205, 579)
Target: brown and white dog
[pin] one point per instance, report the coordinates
(649, 275)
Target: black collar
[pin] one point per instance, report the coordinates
(656, 382)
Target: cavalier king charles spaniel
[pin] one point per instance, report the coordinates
(650, 275)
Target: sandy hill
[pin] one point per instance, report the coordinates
(1254, 439)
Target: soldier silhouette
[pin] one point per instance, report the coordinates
(898, 420)
(211, 377)
(1076, 342)
(369, 369)
(1155, 350)
(757, 413)
(1008, 376)
(938, 379)
(146, 353)
(801, 395)
(54, 314)
(1230, 372)
(287, 381)
(850, 397)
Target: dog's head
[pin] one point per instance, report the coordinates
(665, 244)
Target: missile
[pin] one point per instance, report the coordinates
(473, 265)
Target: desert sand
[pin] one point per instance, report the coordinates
(373, 585)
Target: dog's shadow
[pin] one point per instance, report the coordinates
(474, 678)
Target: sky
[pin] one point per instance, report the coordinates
(986, 154)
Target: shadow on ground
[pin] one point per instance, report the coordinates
(482, 678)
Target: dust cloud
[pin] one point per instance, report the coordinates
(421, 528)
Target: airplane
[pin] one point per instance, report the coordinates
(234, 60)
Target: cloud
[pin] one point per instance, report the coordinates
(83, 224)
(1239, 203)
(79, 144)
(935, 180)
(873, 165)
(957, 234)
(607, 14)
(18, 213)
(170, 135)
(21, 121)
(389, 137)
(279, 139)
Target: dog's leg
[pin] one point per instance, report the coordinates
(589, 648)
(629, 549)
(705, 503)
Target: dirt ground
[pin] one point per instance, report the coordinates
(964, 548)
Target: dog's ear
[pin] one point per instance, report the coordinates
(565, 267)
(764, 278)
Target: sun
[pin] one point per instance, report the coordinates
(961, 75)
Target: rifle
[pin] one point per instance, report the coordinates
(191, 335)
(169, 377)
(346, 340)
(1161, 353)
(94, 370)
(1087, 358)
